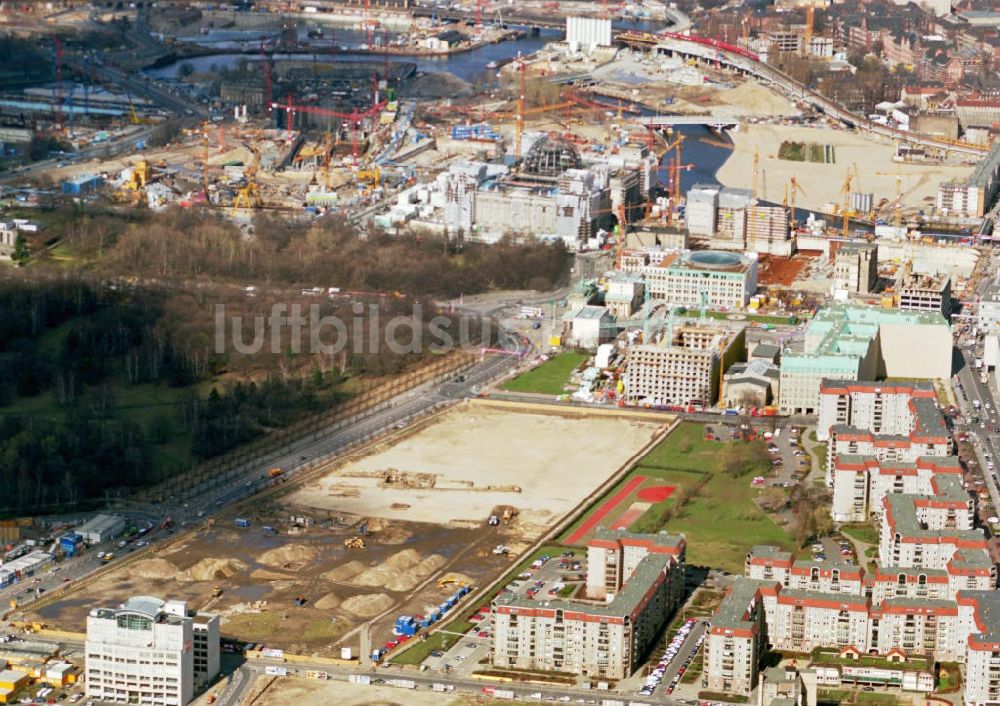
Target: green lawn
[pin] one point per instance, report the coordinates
(722, 522)
(549, 377)
(866, 533)
(420, 650)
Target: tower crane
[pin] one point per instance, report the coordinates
(846, 207)
(354, 118)
(793, 189)
(249, 196)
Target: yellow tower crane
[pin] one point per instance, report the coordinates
(846, 206)
(249, 196)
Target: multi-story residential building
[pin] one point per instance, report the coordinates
(882, 438)
(149, 651)
(721, 280)
(767, 563)
(736, 638)
(979, 611)
(882, 408)
(848, 342)
(684, 366)
(634, 583)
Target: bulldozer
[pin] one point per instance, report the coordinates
(354, 543)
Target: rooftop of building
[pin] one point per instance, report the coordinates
(755, 370)
(101, 523)
(825, 597)
(732, 612)
(769, 551)
(987, 610)
(710, 260)
(937, 283)
(765, 350)
(901, 511)
(590, 312)
(847, 331)
(634, 590)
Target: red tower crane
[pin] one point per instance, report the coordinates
(354, 118)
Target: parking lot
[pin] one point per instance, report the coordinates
(675, 659)
(544, 580)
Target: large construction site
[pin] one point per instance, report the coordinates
(394, 530)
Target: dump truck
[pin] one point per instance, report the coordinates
(354, 543)
(275, 472)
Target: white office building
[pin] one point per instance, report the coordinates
(149, 651)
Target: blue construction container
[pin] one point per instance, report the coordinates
(242, 522)
(82, 184)
(70, 543)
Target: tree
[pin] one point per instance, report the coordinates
(21, 253)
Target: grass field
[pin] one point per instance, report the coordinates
(421, 649)
(549, 377)
(722, 522)
(866, 533)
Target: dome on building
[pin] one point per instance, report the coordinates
(550, 156)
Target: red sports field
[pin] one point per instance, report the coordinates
(605, 509)
(633, 513)
(656, 494)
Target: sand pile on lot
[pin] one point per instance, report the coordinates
(755, 99)
(368, 605)
(154, 569)
(344, 572)
(394, 567)
(288, 554)
(266, 575)
(407, 580)
(211, 569)
(328, 602)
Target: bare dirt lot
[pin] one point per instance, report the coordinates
(476, 458)
(295, 545)
(821, 183)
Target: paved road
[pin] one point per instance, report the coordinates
(969, 389)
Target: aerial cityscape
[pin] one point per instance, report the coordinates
(455, 352)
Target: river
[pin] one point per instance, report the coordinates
(706, 158)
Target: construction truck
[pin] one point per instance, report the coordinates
(216, 591)
(354, 543)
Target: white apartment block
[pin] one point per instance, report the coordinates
(881, 438)
(883, 408)
(634, 583)
(145, 652)
(736, 639)
(684, 367)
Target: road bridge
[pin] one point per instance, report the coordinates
(715, 121)
(713, 51)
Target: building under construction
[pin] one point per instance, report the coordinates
(683, 363)
(554, 194)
